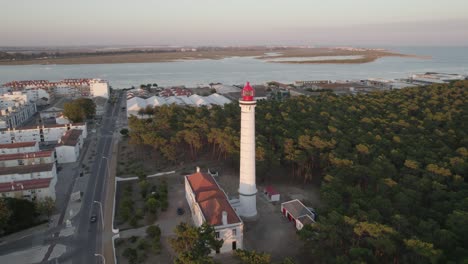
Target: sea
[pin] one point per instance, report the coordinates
(238, 70)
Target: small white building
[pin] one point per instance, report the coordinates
(19, 147)
(28, 158)
(99, 87)
(68, 149)
(28, 181)
(271, 193)
(208, 203)
(51, 112)
(62, 120)
(297, 213)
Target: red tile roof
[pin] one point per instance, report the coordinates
(71, 137)
(26, 169)
(18, 145)
(211, 199)
(25, 185)
(270, 190)
(28, 155)
(202, 182)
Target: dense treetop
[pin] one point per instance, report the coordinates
(392, 165)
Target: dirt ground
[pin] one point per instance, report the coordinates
(271, 232)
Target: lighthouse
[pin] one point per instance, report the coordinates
(247, 186)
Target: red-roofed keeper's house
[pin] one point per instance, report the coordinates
(208, 203)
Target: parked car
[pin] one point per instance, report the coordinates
(93, 219)
(180, 211)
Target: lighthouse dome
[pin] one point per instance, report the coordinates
(248, 93)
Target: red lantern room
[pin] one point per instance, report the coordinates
(248, 93)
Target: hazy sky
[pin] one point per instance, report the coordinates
(233, 22)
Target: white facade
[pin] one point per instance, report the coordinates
(247, 185)
(15, 109)
(66, 154)
(43, 133)
(69, 146)
(62, 120)
(12, 117)
(51, 112)
(20, 147)
(28, 158)
(33, 181)
(13, 98)
(208, 203)
(39, 96)
(99, 87)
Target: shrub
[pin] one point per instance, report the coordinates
(133, 239)
(131, 254)
(153, 231)
(142, 244)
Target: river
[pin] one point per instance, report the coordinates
(238, 70)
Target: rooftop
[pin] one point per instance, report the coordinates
(28, 155)
(26, 169)
(211, 199)
(25, 185)
(297, 209)
(71, 137)
(18, 145)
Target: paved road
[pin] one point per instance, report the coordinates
(88, 236)
(86, 240)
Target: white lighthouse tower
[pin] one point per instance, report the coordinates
(247, 186)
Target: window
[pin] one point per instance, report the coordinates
(234, 232)
(217, 234)
(20, 162)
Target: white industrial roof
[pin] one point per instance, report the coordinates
(136, 103)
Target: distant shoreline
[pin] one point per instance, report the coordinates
(367, 55)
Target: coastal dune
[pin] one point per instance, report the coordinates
(271, 55)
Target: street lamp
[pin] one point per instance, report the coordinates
(102, 215)
(99, 255)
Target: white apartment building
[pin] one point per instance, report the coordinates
(15, 109)
(28, 181)
(28, 158)
(208, 203)
(98, 87)
(44, 133)
(19, 147)
(39, 96)
(12, 117)
(69, 146)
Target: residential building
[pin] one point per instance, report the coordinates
(27, 158)
(43, 133)
(99, 87)
(68, 149)
(208, 203)
(15, 116)
(28, 181)
(39, 96)
(19, 147)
